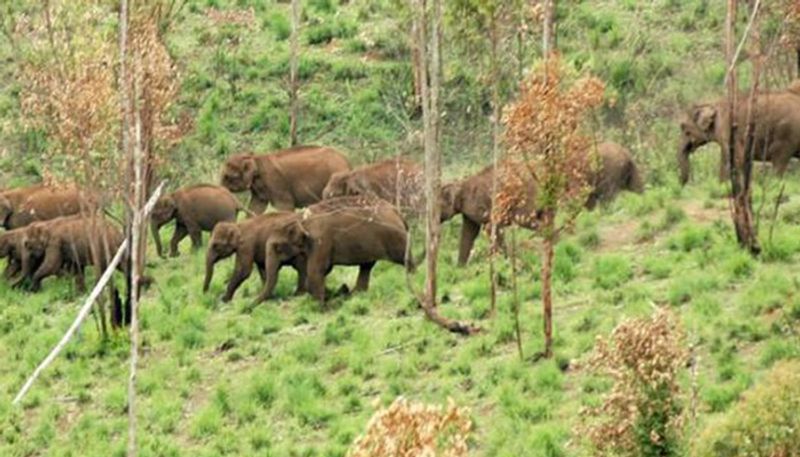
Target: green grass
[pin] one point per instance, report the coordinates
(288, 378)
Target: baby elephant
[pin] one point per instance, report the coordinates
(247, 240)
(69, 243)
(339, 231)
(194, 208)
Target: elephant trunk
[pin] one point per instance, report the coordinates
(154, 227)
(683, 161)
(211, 259)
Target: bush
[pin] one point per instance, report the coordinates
(641, 415)
(407, 428)
(764, 423)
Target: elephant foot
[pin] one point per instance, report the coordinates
(343, 291)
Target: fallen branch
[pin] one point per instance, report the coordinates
(86, 308)
(84, 311)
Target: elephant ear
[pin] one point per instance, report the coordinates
(705, 117)
(248, 168)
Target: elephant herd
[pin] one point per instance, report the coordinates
(350, 216)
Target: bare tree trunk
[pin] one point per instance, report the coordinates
(293, 82)
(494, 36)
(515, 293)
(430, 95)
(416, 62)
(739, 149)
(547, 281)
(430, 65)
(549, 28)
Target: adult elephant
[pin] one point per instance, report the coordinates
(356, 231)
(775, 115)
(11, 199)
(472, 197)
(395, 180)
(50, 203)
(288, 179)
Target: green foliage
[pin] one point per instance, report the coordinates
(611, 271)
(765, 422)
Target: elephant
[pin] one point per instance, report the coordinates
(11, 248)
(395, 180)
(775, 115)
(471, 197)
(11, 199)
(288, 179)
(339, 231)
(194, 209)
(247, 240)
(69, 243)
(616, 171)
(49, 203)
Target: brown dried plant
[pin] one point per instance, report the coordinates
(546, 142)
(410, 429)
(69, 90)
(641, 415)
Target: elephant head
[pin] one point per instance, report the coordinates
(288, 241)
(697, 129)
(239, 172)
(6, 208)
(163, 212)
(225, 239)
(7, 242)
(337, 185)
(448, 201)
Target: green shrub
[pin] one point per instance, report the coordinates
(691, 237)
(280, 26)
(764, 423)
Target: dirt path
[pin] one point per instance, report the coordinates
(623, 236)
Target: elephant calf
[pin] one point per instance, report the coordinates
(288, 179)
(195, 209)
(339, 231)
(247, 240)
(396, 180)
(616, 171)
(69, 243)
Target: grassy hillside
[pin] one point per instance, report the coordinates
(291, 379)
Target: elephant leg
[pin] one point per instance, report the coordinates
(780, 160)
(315, 283)
(364, 271)
(240, 273)
(299, 264)
(177, 237)
(12, 268)
(262, 272)
(80, 279)
(469, 231)
(256, 206)
(196, 235)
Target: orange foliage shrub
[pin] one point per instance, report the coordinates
(408, 429)
(641, 415)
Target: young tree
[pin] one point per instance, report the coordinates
(546, 148)
(740, 143)
(294, 85)
(429, 42)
